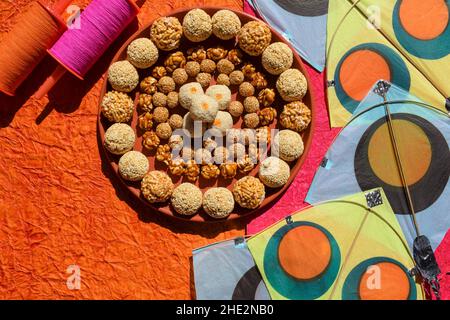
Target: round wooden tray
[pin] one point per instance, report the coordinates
(203, 184)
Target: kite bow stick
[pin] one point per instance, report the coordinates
(426, 264)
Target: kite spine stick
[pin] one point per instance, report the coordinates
(399, 163)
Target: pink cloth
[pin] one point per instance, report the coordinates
(323, 136)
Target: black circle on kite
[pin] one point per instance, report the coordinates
(427, 168)
(308, 8)
(248, 285)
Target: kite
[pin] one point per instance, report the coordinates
(226, 271)
(406, 42)
(302, 23)
(397, 142)
(350, 248)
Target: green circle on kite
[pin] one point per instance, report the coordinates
(432, 49)
(399, 72)
(350, 289)
(289, 286)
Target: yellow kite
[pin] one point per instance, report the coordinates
(406, 42)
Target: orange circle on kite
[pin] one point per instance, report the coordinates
(384, 281)
(304, 252)
(414, 151)
(360, 71)
(424, 20)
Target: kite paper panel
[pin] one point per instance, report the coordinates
(362, 157)
(358, 55)
(421, 31)
(302, 23)
(350, 248)
(226, 271)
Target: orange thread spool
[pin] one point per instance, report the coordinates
(21, 50)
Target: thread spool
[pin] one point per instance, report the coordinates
(36, 30)
(79, 49)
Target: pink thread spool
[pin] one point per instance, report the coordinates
(79, 49)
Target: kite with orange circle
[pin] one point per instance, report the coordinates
(405, 42)
(346, 248)
(401, 144)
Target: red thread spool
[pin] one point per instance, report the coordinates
(79, 49)
(36, 30)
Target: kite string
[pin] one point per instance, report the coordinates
(350, 251)
(336, 31)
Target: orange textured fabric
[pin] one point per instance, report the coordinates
(60, 204)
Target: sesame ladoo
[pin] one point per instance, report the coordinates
(133, 166)
(251, 104)
(246, 89)
(225, 24)
(159, 100)
(223, 79)
(123, 76)
(288, 145)
(192, 68)
(208, 66)
(172, 100)
(119, 138)
(164, 131)
(204, 79)
(218, 202)
(166, 84)
(236, 108)
(160, 114)
(142, 53)
(292, 85)
(236, 77)
(225, 66)
(186, 199)
(197, 25)
(274, 172)
(202, 156)
(221, 155)
(251, 120)
(277, 58)
(180, 76)
(176, 121)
